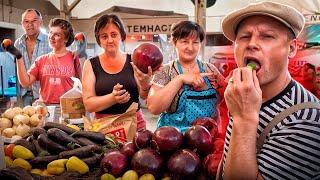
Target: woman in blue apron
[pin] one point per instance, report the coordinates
(187, 88)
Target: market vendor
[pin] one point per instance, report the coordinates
(186, 88)
(52, 70)
(110, 84)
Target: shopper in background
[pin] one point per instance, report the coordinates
(79, 46)
(110, 85)
(265, 34)
(8, 67)
(186, 88)
(309, 77)
(53, 70)
(317, 82)
(32, 44)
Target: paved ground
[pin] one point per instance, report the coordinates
(150, 118)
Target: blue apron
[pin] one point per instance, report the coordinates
(191, 105)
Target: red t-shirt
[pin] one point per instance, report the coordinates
(54, 75)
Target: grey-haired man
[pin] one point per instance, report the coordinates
(32, 44)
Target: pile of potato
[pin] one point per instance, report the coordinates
(16, 122)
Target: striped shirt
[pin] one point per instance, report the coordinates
(292, 149)
(42, 47)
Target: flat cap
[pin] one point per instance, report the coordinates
(287, 15)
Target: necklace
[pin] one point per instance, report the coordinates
(188, 69)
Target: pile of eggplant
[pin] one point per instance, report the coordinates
(55, 141)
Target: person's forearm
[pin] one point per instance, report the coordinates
(144, 90)
(143, 93)
(241, 162)
(160, 100)
(23, 76)
(99, 103)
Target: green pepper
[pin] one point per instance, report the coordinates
(251, 65)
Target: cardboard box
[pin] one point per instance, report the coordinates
(72, 107)
(71, 103)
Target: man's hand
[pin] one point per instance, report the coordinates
(8, 46)
(243, 94)
(243, 97)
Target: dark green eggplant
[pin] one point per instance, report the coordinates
(49, 145)
(42, 162)
(37, 131)
(15, 174)
(93, 136)
(60, 136)
(85, 141)
(49, 125)
(91, 161)
(81, 152)
(40, 151)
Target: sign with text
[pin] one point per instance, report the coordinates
(152, 25)
(312, 18)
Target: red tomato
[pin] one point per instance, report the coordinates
(8, 150)
(79, 36)
(6, 43)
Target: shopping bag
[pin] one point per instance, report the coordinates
(122, 126)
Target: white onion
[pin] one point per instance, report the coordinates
(35, 119)
(17, 110)
(9, 113)
(29, 110)
(21, 118)
(5, 123)
(22, 130)
(8, 132)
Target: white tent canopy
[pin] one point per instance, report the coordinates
(214, 14)
(89, 8)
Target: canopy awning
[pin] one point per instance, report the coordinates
(136, 21)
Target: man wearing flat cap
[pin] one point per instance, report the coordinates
(274, 128)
